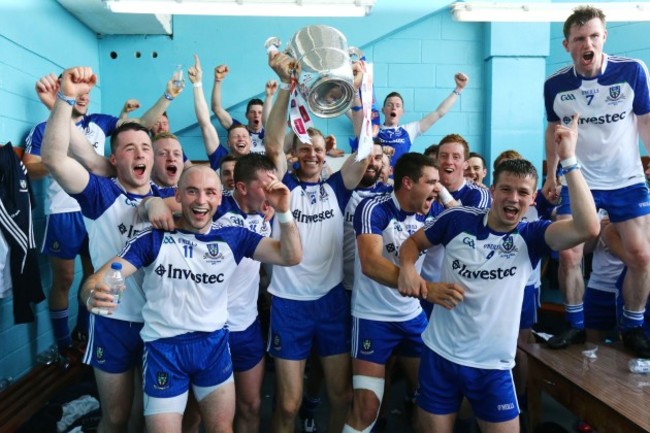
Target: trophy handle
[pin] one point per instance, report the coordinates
(355, 54)
(272, 44)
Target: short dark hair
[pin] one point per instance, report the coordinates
(479, 156)
(455, 138)
(126, 126)
(247, 166)
(410, 165)
(580, 16)
(518, 167)
(431, 151)
(163, 135)
(391, 95)
(254, 101)
(227, 158)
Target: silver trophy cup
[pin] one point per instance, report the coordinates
(326, 69)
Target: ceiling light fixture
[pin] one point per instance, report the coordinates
(269, 8)
(484, 11)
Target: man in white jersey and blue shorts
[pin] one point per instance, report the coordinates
(109, 207)
(187, 272)
(65, 234)
(383, 321)
(309, 304)
(613, 98)
(470, 347)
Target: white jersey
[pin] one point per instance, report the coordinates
(371, 300)
(400, 138)
(244, 286)
(318, 211)
(493, 268)
(608, 105)
(186, 277)
(535, 279)
(95, 127)
(111, 218)
(349, 236)
(605, 269)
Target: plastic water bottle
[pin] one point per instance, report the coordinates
(639, 365)
(115, 281)
(177, 78)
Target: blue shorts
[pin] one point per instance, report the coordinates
(199, 358)
(427, 307)
(376, 341)
(600, 309)
(621, 204)
(296, 324)
(246, 347)
(65, 236)
(114, 346)
(529, 307)
(442, 385)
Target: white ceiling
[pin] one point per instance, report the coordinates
(97, 17)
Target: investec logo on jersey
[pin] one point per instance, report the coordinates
(174, 273)
(314, 218)
(492, 274)
(598, 120)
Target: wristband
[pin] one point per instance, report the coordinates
(357, 108)
(168, 96)
(456, 92)
(284, 217)
(197, 84)
(570, 168)
(570, 161)
(62, 97)
(445, 196)
(284, 86)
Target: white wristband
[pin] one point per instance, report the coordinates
(445, 196)
(197, 84)
(572, 160)
(284, 217)
(284, 86)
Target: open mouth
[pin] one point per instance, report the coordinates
(139, 169)
(199, 212)
(171, 170)
(588, 56)
(510, 212)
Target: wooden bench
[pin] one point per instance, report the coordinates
(25, 397)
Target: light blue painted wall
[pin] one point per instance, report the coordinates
(36, 37)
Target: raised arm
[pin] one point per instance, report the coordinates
(277, 124)
(223, 116)
(549, 189)
(427, 121)
(269, 90)
(46, 88)
(288, 250)
(151, 116)
(584, 225)
(129, 105)
(83, 151)
(208, 131)
(69, 173)
(352, 170)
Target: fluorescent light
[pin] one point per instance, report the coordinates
(484, 11)
(277, 8)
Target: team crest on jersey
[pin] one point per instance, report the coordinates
(366, 347)
(615, 95)
(213, 255)
(390, 248)
(566, 120)
(56, 247)
(162, 380)
(23, 184)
